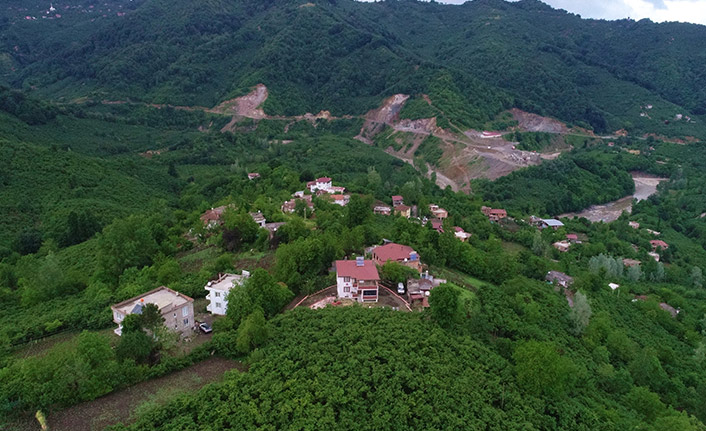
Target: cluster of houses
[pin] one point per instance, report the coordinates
(494, 214)
(177, 309)
(213, 218)
(359, 279)
(320, 187)
(564, 245)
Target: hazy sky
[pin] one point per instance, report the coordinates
(656, 10)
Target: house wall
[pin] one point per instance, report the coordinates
(180, 319)
(342, 284)
(175, 319)
(218, 303)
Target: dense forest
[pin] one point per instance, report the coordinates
(472, 60)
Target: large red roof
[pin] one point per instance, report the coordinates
(323, 180)
(393, 252)
(349, 268)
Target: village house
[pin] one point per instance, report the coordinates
(403, 210)
(253, 176)
(559, 279)
(634, 224)
(420, 289)
(273, 227)
(341, 200)
(494, 215)
(397, 200)
(382, 210)
(658, 244)
(631, 262)
(552, 223)
(176, 309)
(438, 212)
(573, 238)
(323, 184)
(212, 218)
(357, 279)
(402, 254)
(258, 218)
(653, 232)
(562, 246)
(437, 225)
(461, 234)
(219, 289)
(290, 206)
(613, 286)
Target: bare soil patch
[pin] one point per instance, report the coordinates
(536, 123)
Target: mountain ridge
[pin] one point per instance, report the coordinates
(346, 57)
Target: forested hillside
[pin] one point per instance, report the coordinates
(473, 60)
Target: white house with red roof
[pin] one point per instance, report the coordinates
(341, 200)
(357, 279)
(324, 184)
(461, 234)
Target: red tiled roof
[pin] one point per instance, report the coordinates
(659, 243)
(498, 212)
(402, 208)
(437, 225)
(397, 198)
(349, 268)
(214, 214)
(458, 229)
(572, 236)
(323, 180)
(392, 251)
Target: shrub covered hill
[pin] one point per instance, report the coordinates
(473, 60)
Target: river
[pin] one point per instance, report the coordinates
(645, 186)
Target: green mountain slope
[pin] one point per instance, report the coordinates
(345, 56)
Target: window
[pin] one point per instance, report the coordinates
(185, 311)
(117, 316)
(370, 293)
(218, 305)
(218, 294)
(347, 279)
(347, 289)
(186, 321)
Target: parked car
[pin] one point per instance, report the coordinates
(205, 327)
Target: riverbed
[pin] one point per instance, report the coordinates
(645, 186)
